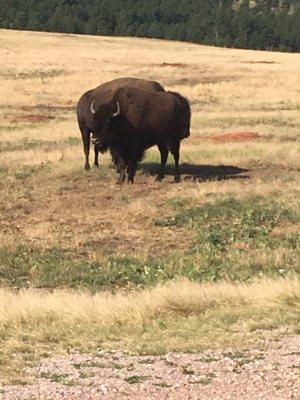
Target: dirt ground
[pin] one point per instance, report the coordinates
(269, 372)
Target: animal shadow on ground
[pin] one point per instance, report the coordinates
(199, 173)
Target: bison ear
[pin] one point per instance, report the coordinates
(92, 107)
(118, 112)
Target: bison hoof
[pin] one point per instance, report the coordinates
(159, 178)
(176, 179)
(87, 167)
(96, 165)
(120, 182)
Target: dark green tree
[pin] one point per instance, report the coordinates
(259, 24)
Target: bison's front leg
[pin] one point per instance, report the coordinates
(163, 159)
(131, 169)
(85, 134)
(96, 150)
(116, 159)
(121, 169)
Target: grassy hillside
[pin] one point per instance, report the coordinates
(234, 218)
(248, 24)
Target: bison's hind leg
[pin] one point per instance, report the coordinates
(174, 149)
(163, 160)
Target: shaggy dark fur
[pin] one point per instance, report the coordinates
(146, 119)
(103, 94)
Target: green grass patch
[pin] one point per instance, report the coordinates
(29, 144)
(28, 267)
(38, 74)
(54, 377)
(231, 220)
(188, 371)
(73, 141)
(136, 379)
(229, 122)
(26, 144)
(3, 171)
(30, 170)
(235, 240)
(8, 128)
(204, 379)
(162, 385)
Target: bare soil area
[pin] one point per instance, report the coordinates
(32, 118)
(228, 137)
(268, 373)
(236, 136)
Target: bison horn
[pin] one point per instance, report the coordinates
(92, 107)
(118, 112)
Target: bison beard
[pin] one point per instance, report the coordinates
(136, 120)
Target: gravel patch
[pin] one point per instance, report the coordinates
(268, 374)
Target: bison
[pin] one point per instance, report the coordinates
(103, 94)
(136, 119)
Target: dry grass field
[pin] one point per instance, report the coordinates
(231, 227)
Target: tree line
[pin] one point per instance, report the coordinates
(250, 24)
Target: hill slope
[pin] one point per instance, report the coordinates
(232, 23)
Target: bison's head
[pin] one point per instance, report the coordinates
(103, 116)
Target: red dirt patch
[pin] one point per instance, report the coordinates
(235, 136)
(32, 118)
(229, 137)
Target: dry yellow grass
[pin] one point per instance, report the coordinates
(55, 69)
(47, 200)
(179, 316)
(31, 307)
(229, 89)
